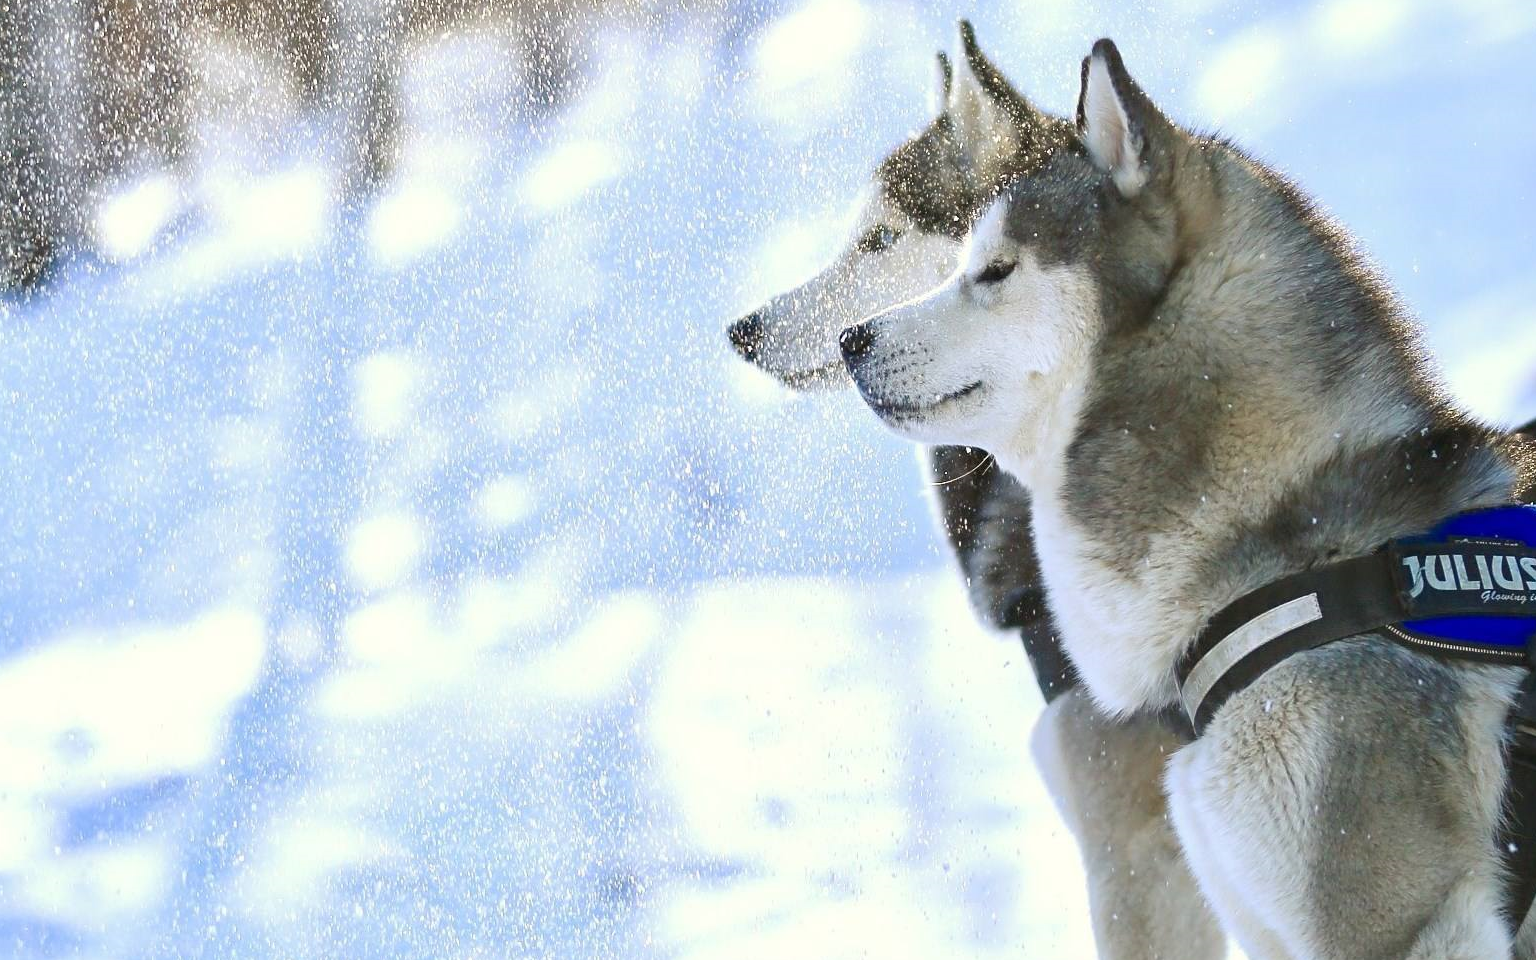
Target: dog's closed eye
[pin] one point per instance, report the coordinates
(996, 271)
(878, 238)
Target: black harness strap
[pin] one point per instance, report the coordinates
(1517, 832)
(1279, 620)
(1400, 582)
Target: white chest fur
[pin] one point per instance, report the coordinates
(1121, 627)
(1118, 626)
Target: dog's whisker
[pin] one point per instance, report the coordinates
(988, 461)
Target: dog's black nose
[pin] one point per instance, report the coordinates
(855, 342)
(747, 335)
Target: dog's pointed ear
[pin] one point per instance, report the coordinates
(1125, 134)
(987, 116)
(943, 81)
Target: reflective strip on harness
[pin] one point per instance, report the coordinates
(1241, 642)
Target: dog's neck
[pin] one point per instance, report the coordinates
(1272, 413)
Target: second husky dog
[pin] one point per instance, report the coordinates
(1104, 774)
(1205, 389)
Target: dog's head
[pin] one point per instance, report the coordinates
(987, 358)
(911, 222)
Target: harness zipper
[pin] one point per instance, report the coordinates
(1517, 659)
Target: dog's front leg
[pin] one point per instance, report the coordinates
(1342, 807)
(1106, 777)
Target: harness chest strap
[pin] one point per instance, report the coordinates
(1386, 590)
(1480, 563)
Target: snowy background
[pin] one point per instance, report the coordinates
(425, 578)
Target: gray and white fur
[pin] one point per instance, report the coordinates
(1205, 388)
(1103, 773)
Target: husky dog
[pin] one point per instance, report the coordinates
(1205, 388)
(1104, 774)
(913, 217)
(907, 230)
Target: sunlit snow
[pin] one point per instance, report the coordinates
(131, 219)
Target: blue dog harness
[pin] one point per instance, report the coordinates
(1465, 590)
